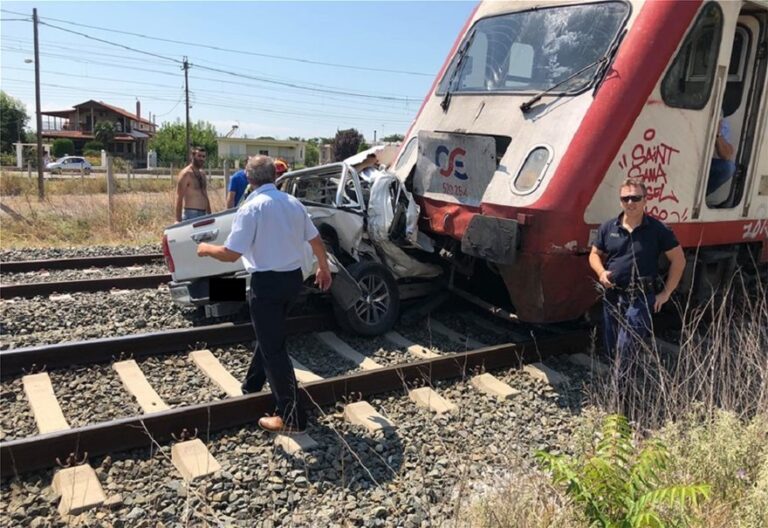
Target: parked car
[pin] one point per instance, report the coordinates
(69, 163)
(379, 257)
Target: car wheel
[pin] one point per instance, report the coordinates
(378, 308)
(87, 172)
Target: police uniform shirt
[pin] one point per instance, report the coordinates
(269, 231)
(629, 256)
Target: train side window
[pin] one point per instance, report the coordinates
(734, 89)
(688, 82)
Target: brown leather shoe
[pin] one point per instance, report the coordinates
(275, 424)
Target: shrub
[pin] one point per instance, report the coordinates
(732, 454)
(63, 147)
(8, 160)
(93, 145)
(619, 487)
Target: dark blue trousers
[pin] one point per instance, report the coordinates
(271, 294)
(626, 322)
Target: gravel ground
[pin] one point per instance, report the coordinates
(40, 320)
(423, 334)
(14, 255)
(318, 358)
(16, 420)
(502, 332)
(82, 274)
(411, 477)
(379, 349)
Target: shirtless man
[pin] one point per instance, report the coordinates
(191, 191)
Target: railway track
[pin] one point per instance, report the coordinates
(24, 266)
(425, 367)
(85, 285)
(62, 276)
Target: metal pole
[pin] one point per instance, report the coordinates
(186, 95)
(110, 189)
(40, 177)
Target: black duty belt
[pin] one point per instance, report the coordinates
(639, 285)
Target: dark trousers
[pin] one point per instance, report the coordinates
(271, 293)
(626, 322)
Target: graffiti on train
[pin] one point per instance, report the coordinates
(649, 161)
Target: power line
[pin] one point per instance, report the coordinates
(85, 35)
(234, 74)
(387, 104)
(241, 52)
(217, 92)
(244, 107)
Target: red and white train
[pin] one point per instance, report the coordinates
(542, 109)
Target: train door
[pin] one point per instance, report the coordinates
(737, 132)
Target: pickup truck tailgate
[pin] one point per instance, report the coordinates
(184, 237)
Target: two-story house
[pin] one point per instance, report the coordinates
(132, 132)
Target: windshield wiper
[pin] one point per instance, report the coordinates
(599, 71)
(462, 53)
(533, 100)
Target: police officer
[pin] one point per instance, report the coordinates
(625, 258)
(269, 231)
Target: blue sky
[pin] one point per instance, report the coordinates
(289, 98)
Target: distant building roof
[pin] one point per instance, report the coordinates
(79, 134)
(254, 141)
(115, 109)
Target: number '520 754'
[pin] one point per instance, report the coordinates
(456, 190)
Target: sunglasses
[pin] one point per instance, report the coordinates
(632, 198)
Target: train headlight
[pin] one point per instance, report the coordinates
(533, 169)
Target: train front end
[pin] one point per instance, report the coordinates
(517, 133)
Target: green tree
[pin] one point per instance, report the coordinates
(393, 138)
(619, 487)
(170, 141)
(363, 146)
(62, 147)
(346, 143)
(13, 119)
(311, 154)
(93, 146)
(104, 132)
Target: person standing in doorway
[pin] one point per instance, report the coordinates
(625, 258)
(192, 190)
(269, 232)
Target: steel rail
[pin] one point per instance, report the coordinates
(39, 452)
(19, 360)
(88, 285)
(78, 263)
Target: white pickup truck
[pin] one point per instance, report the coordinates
(378, 256)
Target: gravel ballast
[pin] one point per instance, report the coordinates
(414, 476)
(48, 253)
(34, 277)
(45, 320)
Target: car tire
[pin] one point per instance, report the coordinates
(377, 310)
(87, 172)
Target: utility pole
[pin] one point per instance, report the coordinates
(40, 177)
(186, 92)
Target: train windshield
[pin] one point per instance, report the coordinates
(531, 51)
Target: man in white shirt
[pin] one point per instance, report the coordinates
(269, 232)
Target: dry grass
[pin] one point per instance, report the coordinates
(83, 219)
(20, 185)
(707, 402)
(721, 364)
